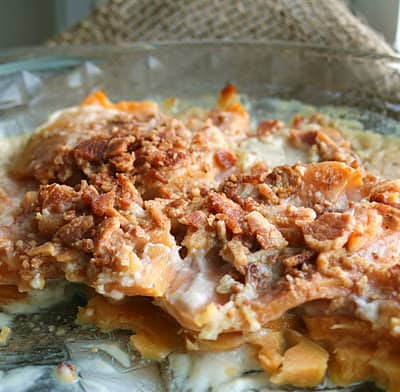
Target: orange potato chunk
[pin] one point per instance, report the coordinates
(270, 355)
(304, 365)
(350, 364)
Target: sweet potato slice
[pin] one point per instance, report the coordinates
(156, 334)
(99, 98)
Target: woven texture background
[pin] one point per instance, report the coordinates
(324, 22)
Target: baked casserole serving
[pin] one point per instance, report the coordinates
(201, 234)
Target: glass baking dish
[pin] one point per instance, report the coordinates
(273, 77)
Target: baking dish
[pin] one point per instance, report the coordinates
(36, 82)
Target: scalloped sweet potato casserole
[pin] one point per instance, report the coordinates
(199, 233)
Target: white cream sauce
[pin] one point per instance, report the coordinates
(196, 289)
(20, 379)
(115, 351)
(197, 294)
(54, 293)
(93, 374)
(369, 310)
(100, 376)
(275, 149)
(220, 371)
(379, 154)
(5, 319)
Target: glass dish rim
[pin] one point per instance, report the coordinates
(29, 52)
